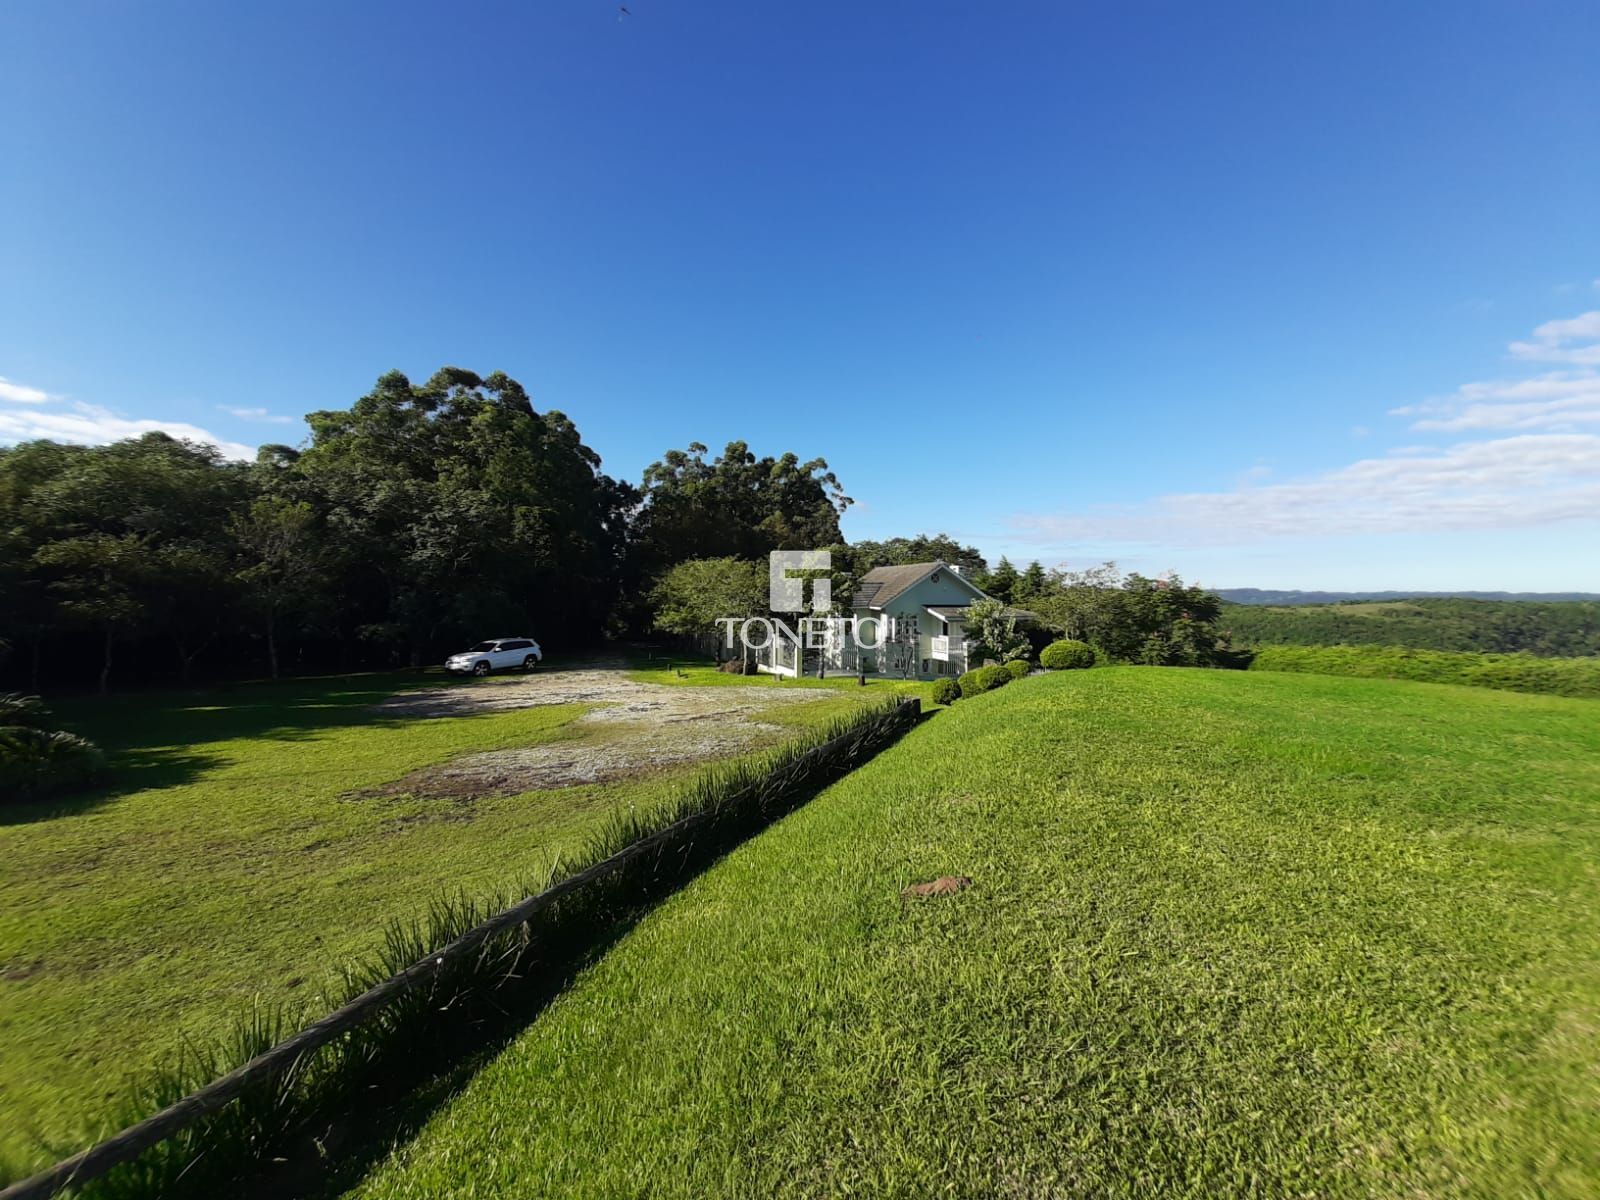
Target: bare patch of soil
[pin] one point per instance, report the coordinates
(634, 726)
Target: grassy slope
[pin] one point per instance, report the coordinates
(1510, 672)
(223, 867)
(1230, 933)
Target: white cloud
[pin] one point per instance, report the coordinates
(1540, 466)
(1508, 483)
(50, 416)
(1558, 401)
(255, 414)
(1552, 342)
(18, 394)
(1554, 401)
(86, 425)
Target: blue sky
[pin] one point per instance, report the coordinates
(1277, 295)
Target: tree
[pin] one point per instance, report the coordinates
(1082, 605)
(861, 557)
(736, 506)
(463, 508)
(1002, 582)
(691, 597)
(991, 631)
(1133, 618)
(118, 537)
(1034, 582)
(280, 561)
(95, 581)
(191, 598)
(1176, 624)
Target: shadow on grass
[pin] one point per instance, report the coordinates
(332, 1158)
(133, 771)
(156, 739)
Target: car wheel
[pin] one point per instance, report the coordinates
(480, 669)
(530, 662)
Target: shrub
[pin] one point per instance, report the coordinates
(19, 709)
(1018, 667)
(984, 679)
(946, 691)
(992, 632)
(1067, 655)
(997, 675)
(36, 762)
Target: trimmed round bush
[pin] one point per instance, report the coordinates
(1067, 655)
(36, 762)
(1018, 667)
(984, 679)
(946, 691)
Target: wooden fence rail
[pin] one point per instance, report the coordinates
(133, 1141)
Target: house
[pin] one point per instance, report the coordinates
(908, 622)
(917, 612)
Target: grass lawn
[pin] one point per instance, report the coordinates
(226, 864)
(1230, 933)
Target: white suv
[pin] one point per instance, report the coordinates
(498, 655)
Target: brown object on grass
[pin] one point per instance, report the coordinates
(945, 885)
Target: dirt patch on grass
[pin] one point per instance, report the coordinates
(634, 727)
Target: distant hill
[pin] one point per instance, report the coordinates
(1561, 628)
(1267, 596)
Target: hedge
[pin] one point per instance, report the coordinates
(1508, 672)
(984, 679)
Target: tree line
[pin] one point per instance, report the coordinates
(421, 517)
(1547, 628)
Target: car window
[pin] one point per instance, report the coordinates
(481, 648)
(516, 645)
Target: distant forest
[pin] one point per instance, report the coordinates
(1552, 629)
(1272, 596)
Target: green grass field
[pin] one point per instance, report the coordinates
(1509, 672)
(1230, 934)
(225, 865)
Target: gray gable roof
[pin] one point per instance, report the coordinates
(882, 584)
